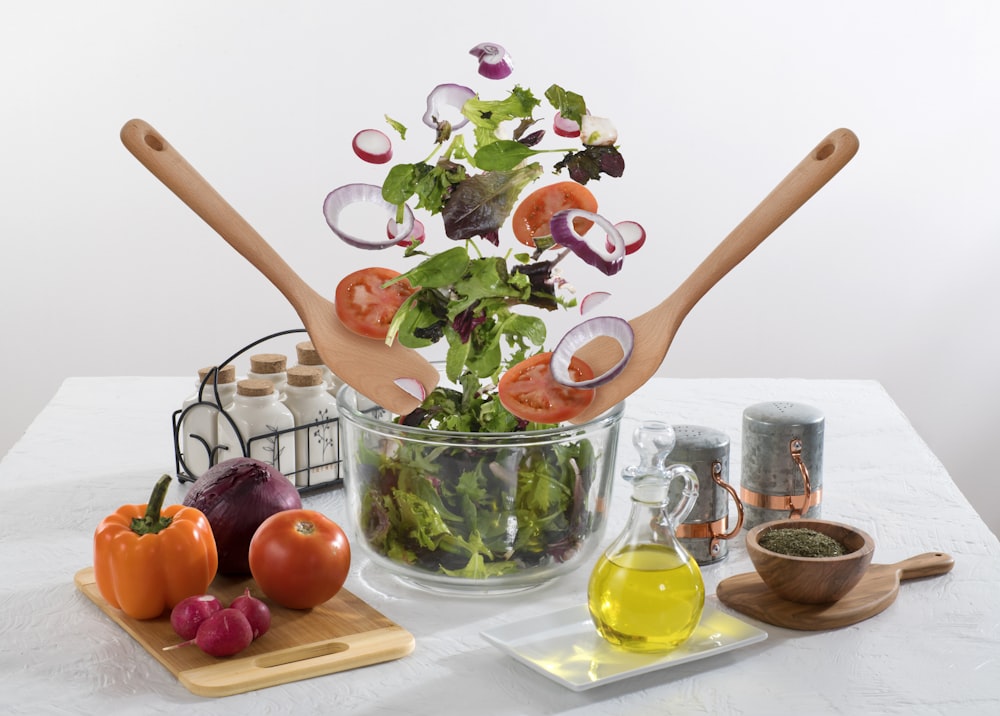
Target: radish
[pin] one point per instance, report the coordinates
(373, 146)
(633, 234)
(255, 611)
(189, 613)
(592, 300)
(225, 633)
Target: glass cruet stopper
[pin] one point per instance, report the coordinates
(646, 592)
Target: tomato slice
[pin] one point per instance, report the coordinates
(366, 307)
(531, 217)
(529, 391)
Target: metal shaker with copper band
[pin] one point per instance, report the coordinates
(782, 462)
(707, 528)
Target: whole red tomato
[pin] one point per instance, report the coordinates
(299, 558)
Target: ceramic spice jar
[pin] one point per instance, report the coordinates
(307, 355)
(707, 529)
(316, 427)
(259, 425)
(782, 462)
(198, 419)
(271, 367)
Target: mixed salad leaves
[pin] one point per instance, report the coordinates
(455, 509)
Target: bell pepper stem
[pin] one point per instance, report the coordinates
(153, 522)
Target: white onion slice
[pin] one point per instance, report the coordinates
(372, 146)
(412, 386)
(633, 234)
(608, 256)
(342, 197)
(444, 104)
(582, 334)
(565, 127)
(494, 62)
(590, 302)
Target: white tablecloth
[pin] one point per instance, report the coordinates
(101, 442)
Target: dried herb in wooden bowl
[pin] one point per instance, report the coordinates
(801, 542)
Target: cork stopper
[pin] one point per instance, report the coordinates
(302, 376)
(226, 374)
(254, 387)
(268, 363)
(307, 354)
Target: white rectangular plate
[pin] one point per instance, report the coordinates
(565, 646)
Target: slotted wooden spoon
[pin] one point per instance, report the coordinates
(368, 365)
(655, 329)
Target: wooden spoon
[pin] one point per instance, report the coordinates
(655, 329)
(367, 365)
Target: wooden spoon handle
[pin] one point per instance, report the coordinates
(811, 174)
(167, 165)
(929, 564)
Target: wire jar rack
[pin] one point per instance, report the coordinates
(307, 478)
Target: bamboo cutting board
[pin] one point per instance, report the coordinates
(877, 589)
(343, 633)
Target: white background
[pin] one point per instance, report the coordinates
(888, 273)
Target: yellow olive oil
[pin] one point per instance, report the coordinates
(646, 597)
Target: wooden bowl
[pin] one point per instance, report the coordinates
(812, 580)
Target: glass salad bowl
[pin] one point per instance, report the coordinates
(475, 513)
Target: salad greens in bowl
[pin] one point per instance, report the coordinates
(486, 486)
(475, 512)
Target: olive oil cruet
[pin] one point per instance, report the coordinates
(646, 591)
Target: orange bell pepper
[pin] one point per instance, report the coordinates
(148, 557)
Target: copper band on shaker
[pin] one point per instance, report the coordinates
(702, 530)
(792, 503)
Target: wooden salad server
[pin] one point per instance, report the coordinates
(368, 365)
(655, 329)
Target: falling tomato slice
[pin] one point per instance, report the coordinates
(529, 391)
(531, 217)
(365, 305)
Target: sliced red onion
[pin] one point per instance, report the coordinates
(597, 131)
(582, 334)
(416, 236)
(444, 103)
(494, 62)
(565, 127)
(412, 386)
(608, 257)
(342, 197)
(592, 300)
(633, 234)
(372, 146)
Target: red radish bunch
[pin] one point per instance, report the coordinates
(218, 631)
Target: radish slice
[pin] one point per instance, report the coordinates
(373, 146)
(416, 236)
(494, 62)
(591, 301)
(444, 104)
(412, 386)
(633, 234)
(582, 334)
(342, 197)
(608, 257)
(565, 127)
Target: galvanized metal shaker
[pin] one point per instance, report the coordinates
(782, 462)
(706, 530)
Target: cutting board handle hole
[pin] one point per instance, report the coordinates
(295, 654)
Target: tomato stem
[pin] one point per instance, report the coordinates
(153, 522)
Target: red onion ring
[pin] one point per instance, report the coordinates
(608, 256)
(580, 335)
(494, 62)
(444, 97)
(342, 197)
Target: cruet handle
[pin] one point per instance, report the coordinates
(688, 492)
